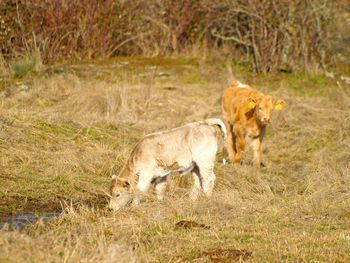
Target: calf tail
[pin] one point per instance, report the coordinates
(219, 123)
(222, 126)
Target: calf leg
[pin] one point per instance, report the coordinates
(204, 158)
(257, 152)
(208, 178)
(205, 169)
(160, 189)
(240, 143)
(145, 179)
(257, 149)
(230, 142)
(197, 183)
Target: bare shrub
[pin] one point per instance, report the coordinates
(67, 29)
(275, 35)
(270, 35)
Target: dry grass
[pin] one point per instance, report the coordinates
(66, 129)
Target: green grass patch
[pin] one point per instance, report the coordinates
(62, 179)
(246, 238)
(193, 76)
(92, 134)
(22, 67)
(303, 84)
(163, 61)
(54, 155)
(322, 140)
(65, 130)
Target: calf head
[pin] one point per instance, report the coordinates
(264, 106)
(120, 192)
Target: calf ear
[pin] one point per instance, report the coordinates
(251, 102)
(126, 185)
(123, 183)
(279, 104)
(235, 84)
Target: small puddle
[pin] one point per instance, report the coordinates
(19, 219)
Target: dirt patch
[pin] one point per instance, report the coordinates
(8, 203)
(55, 204)
(94, 200)
(226, 255)
(8, 177)
(190, 224)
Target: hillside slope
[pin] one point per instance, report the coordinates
(66, 129)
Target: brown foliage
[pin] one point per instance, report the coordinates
(276, 34)
(271, 35)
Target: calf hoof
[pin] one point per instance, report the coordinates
(136, 202)
(259, 165)
(160, 197)
(231, 160)
(238, 163)
(194, 195)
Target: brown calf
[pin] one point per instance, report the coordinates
(246, 112)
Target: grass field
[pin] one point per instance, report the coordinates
(66, 129)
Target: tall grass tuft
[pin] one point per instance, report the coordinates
(23, 66)
(3, 67)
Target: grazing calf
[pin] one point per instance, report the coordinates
(190, 148)
(246, 112)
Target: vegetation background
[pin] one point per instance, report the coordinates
(82, 81)
(267, 35)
